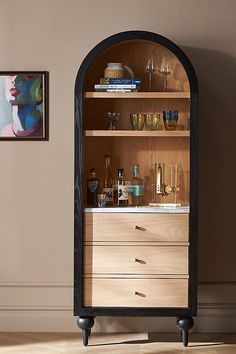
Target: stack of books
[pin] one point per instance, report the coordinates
(118, 85)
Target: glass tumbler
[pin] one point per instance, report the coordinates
(170, 119)
(137, 121)
(101, 200)
(152, 121)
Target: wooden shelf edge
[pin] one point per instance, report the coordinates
(138, 133)
(135, 276)
(137, 95)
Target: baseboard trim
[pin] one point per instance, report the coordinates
(35, 285)
(37, 307)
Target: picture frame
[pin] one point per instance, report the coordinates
(24, 105)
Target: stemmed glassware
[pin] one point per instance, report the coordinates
(150, 68)
(165, 69)
(112, 117)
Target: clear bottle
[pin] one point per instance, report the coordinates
(107, 181)
(136, 188)
(121, 195)
(92, 188)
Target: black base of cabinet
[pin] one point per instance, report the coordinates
(183, 323)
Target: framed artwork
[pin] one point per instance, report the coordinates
(23, 105)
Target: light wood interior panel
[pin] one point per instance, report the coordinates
(121, 227)
(136, 259)
(125, 151)
(135, 54)
(136, 292)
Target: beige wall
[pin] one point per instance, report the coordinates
(36, 189)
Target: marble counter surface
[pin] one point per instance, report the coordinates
(141, 209)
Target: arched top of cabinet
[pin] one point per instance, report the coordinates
(133, 48)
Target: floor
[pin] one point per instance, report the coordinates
(116, 343)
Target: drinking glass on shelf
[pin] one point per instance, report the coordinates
(112, 117)
(150, 68)
(137, 120)
(170, 119)
(165, 69)
(101, 200)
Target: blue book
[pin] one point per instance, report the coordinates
(123, 81)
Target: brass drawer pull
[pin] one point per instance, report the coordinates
(139, 294)
(136, 227)
(139, 261)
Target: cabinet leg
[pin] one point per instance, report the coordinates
(85, 337)
(85, 323)
(185, 324)
(185, 338)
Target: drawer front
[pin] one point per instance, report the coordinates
(136, 227)
(135, 292)
(136, 259)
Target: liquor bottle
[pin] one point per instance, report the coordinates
(121, 195)
(92, 188)
(136, 188)
(107, 181)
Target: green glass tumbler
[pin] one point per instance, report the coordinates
(137, 121)
(152, 121)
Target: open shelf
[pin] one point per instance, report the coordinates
(138, 133)
(179, 95)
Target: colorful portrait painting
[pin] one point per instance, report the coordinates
(24, 105)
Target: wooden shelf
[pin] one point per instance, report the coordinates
(140, 133)
(137, 95)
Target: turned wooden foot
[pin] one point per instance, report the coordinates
(85, 323)
(185, 324)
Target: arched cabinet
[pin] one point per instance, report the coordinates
(137, 260)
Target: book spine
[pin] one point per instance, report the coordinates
(120, 90)
(116, 90)
(117, 86)
(119, 81)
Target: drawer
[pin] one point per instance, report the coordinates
(136, 227)
(136, 259)
(135, 292)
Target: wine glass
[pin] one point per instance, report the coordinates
(150, 68)
(165, 69)
(112, 117)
